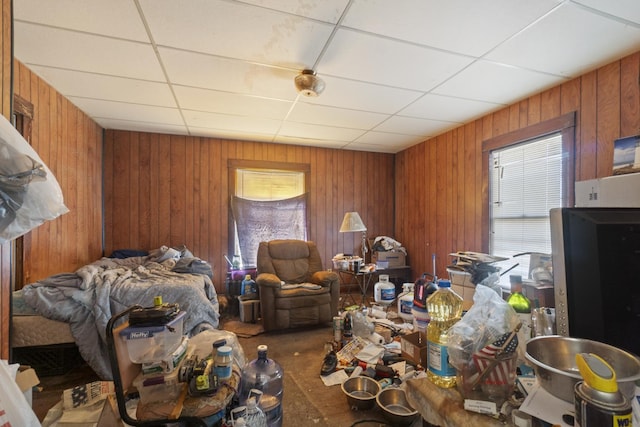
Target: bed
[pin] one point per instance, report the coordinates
(69, 308)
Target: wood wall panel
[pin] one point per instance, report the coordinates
(173, 190)
(70, 144)
(5, 249)
(607, 102)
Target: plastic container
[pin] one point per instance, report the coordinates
(158, 387)
(248, 285)
(405, 302)
(223, 362)
(522, 307)
(421, 319)
(445, 309)
(266, 375)
(384, 290)
(147, 344)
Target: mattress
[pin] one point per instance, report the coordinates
(35, 330)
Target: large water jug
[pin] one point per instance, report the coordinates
(266, 375)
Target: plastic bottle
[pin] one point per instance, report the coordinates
(254, 417)
(445, 309)
(223, 362)
(266, 375)
(522, 306)
(248, 285)
(405, 302)
(384, 290)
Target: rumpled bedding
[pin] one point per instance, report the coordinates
(88, 298)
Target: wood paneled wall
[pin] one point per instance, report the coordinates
(5, 107)
(173, 190)
(439, 182)
(70, 144)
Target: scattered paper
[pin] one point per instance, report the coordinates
(545, 406)
(338, 377)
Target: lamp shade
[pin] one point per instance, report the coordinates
(352, 222)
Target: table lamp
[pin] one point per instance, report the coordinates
(352, 223)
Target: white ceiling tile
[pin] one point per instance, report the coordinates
(389, 139)
(413, 126)
(122, 111)
(229, 75)
(40, 45)
(470, 27)
(228, 103)
(624, 9)
(322, 10)
(496, 83)
(374, 59)
(227, 134)
(237, 30)
(567, 42)
(132, 125)
(357, 95)
(228, 122)
(324, 143)
(303, 130)
(90, 85)
(318, 114)
(113, 18)
(446, 108)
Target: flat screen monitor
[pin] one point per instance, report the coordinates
(596, 270)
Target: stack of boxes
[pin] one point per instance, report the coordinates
(160, 350)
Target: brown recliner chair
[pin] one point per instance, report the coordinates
(294, 288)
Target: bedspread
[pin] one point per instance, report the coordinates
(89, 297)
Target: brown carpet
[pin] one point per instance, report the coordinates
(242, 329)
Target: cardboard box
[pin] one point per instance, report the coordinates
(27, 379)
(462, 285)
(393, 258)
(414, 347)
(543, 293)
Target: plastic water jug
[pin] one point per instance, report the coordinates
(266, 375)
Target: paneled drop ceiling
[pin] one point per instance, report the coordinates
(396, 72)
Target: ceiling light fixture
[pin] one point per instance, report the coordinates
(308, 83)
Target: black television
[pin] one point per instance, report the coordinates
(596, 271)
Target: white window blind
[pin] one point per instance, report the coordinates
(525, 183)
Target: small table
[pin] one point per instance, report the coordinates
(361, 278)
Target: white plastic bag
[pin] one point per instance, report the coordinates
(29, 193)
(14, 408)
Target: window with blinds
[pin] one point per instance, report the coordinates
(525, 183)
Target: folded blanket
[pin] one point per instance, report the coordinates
(300, 285)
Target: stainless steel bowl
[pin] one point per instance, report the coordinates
(395, 407)
(361, 392)
(554, 361)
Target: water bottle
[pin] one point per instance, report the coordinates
(445, 309)
(266, 375)
(255, 417)
(248, 285)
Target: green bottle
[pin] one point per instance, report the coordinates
(522, 306)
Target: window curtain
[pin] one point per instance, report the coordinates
(260, 221)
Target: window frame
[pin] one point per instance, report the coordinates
(565, 125)
(235, 164)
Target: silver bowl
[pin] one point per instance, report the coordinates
(395, 407)
(361, 392)
(554, 361)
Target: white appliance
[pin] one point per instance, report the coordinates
(618, 191)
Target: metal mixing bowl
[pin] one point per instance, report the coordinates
(395, 407)
(361, 392)
(554, 361)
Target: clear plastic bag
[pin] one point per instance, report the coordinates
(29, 193)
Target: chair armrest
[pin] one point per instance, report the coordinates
(269, 280)
(324, 278)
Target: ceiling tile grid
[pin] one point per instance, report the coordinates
(395, 73)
